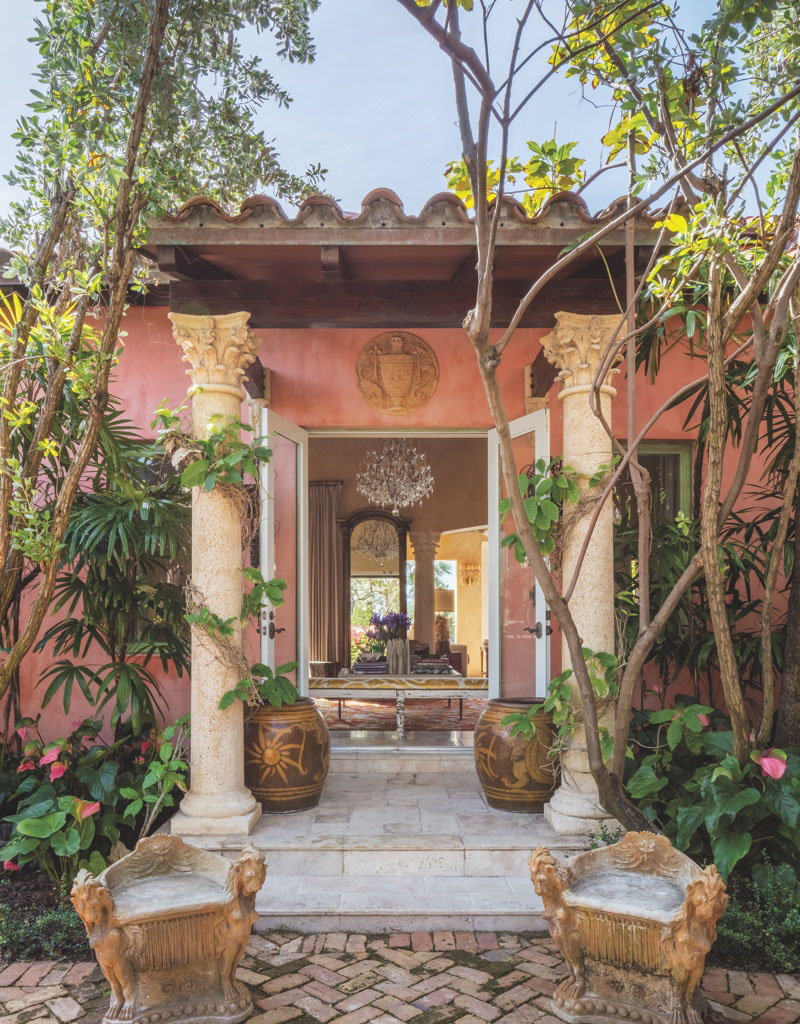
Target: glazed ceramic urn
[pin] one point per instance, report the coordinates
(286, 755)
(516, 773)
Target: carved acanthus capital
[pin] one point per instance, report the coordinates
(576, 346)
(220, 348)
(425, 544)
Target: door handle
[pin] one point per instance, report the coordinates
(272, 630)
(539, 631)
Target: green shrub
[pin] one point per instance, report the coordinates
(77, 796)
(685, 779)
(761, 927)
(40, 934)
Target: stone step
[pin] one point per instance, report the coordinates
(408, 902)
(478, 856)
(399, 760)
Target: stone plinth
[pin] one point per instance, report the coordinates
(169, 924)
(634, 923)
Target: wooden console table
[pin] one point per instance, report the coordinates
(343, 688)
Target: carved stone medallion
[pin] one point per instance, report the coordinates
(397, 373)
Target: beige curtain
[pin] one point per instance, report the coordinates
(325, 553)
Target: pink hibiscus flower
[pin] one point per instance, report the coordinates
(57, 770)
(90, 809)
(772, 765)
(26, 766)
(9, 865)
(49, 757)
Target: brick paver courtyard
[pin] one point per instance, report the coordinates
(439, 978)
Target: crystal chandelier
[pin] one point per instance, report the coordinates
(377, 541)
(395, 476)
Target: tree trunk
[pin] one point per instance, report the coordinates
(787, 722)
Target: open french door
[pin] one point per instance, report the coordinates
(283, 488)
(519, 641)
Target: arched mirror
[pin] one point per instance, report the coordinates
(374, 565)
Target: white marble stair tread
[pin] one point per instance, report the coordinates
(398, 902)
(405, 824)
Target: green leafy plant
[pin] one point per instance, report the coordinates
(122, 550)
(225, 458)
(761, 927)
(268, 686)
(68, 808)
(165, 773)
(544, 493)
(686, 780)
(551, 168)
(605, 836)
(560, 701)
(136, 107)
(30, 933)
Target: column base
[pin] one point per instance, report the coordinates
(573, 813)
(236, 825)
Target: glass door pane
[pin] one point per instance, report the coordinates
(518, 640)
(284, 545)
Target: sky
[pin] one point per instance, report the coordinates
(376, 107)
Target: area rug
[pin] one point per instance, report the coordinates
(421, 715)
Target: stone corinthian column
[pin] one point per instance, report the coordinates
(219, 348)
(576, 346)
(425, 544)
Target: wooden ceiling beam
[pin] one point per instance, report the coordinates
(542, 374)
(255, 379)
(181, 262)
(467, 269)
(334, 263)
(385, 304)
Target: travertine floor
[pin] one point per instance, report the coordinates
(385, 851)
(440, 978)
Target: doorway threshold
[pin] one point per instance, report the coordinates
(375, 739)
(371, 751)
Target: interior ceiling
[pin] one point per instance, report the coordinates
(459, 466)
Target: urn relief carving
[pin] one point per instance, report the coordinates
(397, 373)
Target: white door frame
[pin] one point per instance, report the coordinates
(271, 424)
(539, 423)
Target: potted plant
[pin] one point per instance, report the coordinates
(513, 742)
(286, 743)
(391, 630)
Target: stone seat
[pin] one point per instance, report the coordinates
(615, 892)
(142, 899)
(634, 922)
(169, 924)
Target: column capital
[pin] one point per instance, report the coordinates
(575, 345)
(425, 542)
(219, 348)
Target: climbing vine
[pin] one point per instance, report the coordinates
(222, 461)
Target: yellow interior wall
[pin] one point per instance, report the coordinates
(466, 548)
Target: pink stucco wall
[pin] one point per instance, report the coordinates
(313, 384)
